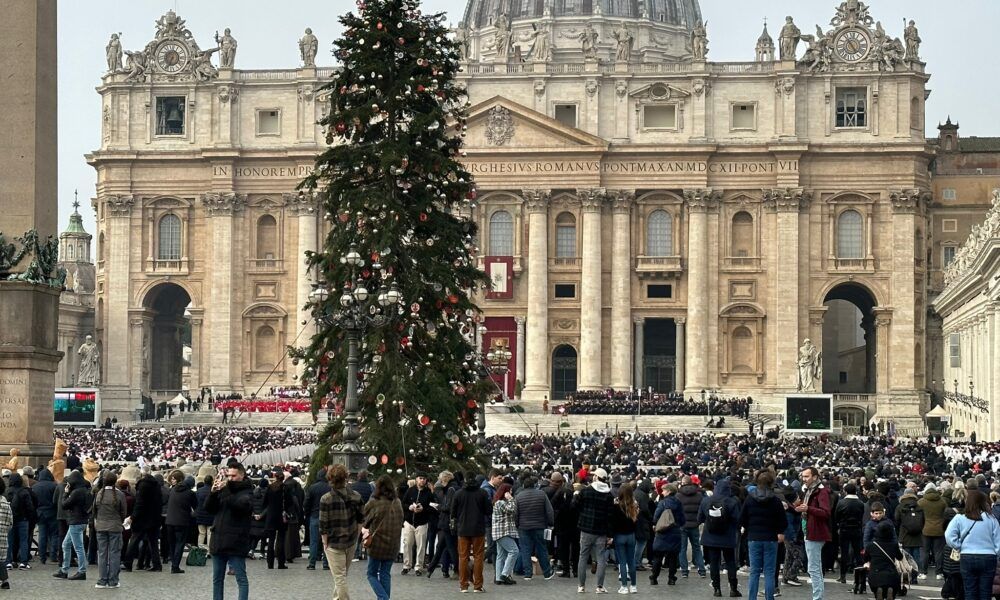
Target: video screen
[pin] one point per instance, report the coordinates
(808, 413)
(78, 407)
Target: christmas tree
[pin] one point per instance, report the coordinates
(398, 200)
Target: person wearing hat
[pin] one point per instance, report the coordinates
(667, 543)
(417, 512)
(593, 504)
(933, 506)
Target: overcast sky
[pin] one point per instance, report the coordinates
(958, 46)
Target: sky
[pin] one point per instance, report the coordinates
(958, 46)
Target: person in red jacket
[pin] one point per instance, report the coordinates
(815, 511)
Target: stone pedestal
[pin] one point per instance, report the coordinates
(29, 316)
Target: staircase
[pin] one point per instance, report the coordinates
(529, 423)
(211, 418)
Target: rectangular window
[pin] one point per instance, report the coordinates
(947, 255)
(955, 349)
(655, 291)
(744, 116)
(659, 116)
(843, 377)
(566, 241)
(565, 290)
(269, 122)
(949, 194)
(170, 115)
(949, 225)
(566, 114)
(852, 105)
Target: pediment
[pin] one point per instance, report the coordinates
(499, 124)
(659, 92)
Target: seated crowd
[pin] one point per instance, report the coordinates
(610, 402)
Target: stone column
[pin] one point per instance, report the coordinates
(303, 206)
(590, 291)
(679, 324)
(118, 212)
(883, 319)
(640, 324)
(197, 320)
(787, 203)
(519, 360)
(621, 291)
(699, 202)
(907, 206)
(536, 386)
(222, 208)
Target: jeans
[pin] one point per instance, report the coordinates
(589, 544)
(17, 539)
(445, 552)
(178, 537)
(507, 552)
(316, 543)
(693, 535)
(814, 556)
(48, 538)
(109, 557)
(73, 542)
(640, 549)
(379, 577)
(850, 551)
(763, 559)
(977, 575)
(933, 547)
(239, 566)
(533, 539)
(625, 550)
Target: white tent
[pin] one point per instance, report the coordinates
(178, 399)
(938, 411)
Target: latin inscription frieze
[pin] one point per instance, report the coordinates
(634, 167)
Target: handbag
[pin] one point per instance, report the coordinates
(899, 563)
(956, 554)
(666, 521)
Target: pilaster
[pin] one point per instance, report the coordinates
(223, 330)
(640, 324)
(303, 206)
(118, 210)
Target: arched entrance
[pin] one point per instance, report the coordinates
(563, 372)
(849, 340)
(167, 333)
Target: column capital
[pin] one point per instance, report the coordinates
(883, 316)
(638, 320)
(909, 201)
(787, 199)
(680, 321)
(591, 199)
(621, 200)
(536, 200)
(702, 200)
(223, 204)
(520, 321)
(119, 205)
(302, 203)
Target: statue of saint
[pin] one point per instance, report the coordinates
(625, 41)
(136, 66)
(308, 47)
(114, 54)
(90, 363)
(541, 43)
(912, 37)
(502, 37)
(810, 366)
(227, 49)
(699, 41)
(789, 40)
(588, 39)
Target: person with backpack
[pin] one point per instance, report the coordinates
(976, 536)
(667, 523)
(910, 518)
(848, 518)
(721, 515)
(110, 510)
(933, 506)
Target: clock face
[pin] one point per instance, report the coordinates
(853, 45)
(172, 57)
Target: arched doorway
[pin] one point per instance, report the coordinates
(849, 340)
(169, 332)
(563, 372)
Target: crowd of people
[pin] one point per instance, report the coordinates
(163, 446)
(610, 402)
(879, 513)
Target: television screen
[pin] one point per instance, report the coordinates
(809, 413)
(76, 407)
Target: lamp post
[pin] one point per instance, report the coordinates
(498, 361)
(709, 406)
(356, 313)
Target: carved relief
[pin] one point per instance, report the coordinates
(119, 206)
(702, 200)
(227, 203)
(499, 126)
(591, 199)
(536, 200)
(787, 200)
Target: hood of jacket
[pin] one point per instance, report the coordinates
(75, 480)
(472, 485)
(15, 481)
(689, 490)
(600, 487)
(45, 475)
(762, 493)
(723, 489)
(932, 496)
(237, 486)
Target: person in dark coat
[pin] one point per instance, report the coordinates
(446, 548)
(231, 504)
(471, 508)
(883, 549)
(181, 504)
(565, 532)
(294, 499)
(201, 516)
(763, 518)
(690, 497)
(644, 524)
(310, 512)
(22, 508)
(848, 518)
(48, 526)
(667, 544)
(721, 515)
(76, 505)
(364, 489)
(909, 517)
(145, 521)
(275, 523)
(259, 501)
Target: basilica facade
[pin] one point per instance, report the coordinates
(649, 218)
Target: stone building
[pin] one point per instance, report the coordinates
(76, 303)
(649, 218)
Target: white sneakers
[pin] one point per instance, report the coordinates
(625, 590)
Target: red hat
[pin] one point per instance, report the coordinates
(659, 485)
(695, 480)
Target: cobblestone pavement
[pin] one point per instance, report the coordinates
(298, 583)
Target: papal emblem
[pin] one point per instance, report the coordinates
(499, 126)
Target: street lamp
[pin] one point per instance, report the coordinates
(498, 363)
(703, 395)
(356, 313)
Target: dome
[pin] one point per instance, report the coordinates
(481, 13)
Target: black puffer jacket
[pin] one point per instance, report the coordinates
(690, 497)
(232, 507)
(148, 500)
(76, 499)
(44, 490)
(181, 505)
(22, 503)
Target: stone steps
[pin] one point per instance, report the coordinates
(524, 423)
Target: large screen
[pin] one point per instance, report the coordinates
(76, 406)
(809, 413)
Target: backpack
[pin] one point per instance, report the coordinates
(197, 557)
(718, 517)
(912, 519)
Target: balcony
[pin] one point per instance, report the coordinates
(852, 265)
(658, 267)
(565, 263)
(741, 264)
(159, 266)
(265, 265)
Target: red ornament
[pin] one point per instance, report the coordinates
(344, 217)
(460, 390)
(341, 128)
(379, 26)
(400, 461)
(424, 420)
(385, 459)
(453, 299)
(471, 403)
(423, 217)
(420, 88)
(459, 446)
(374, 256)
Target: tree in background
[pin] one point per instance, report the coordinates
(399, 203)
